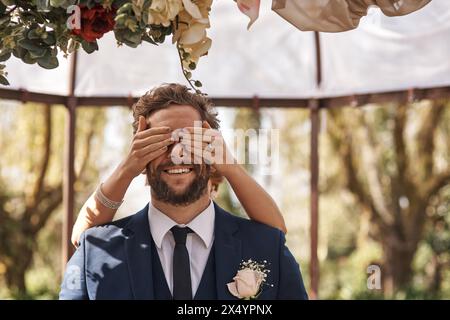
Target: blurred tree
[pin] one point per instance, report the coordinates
(31, 181)
(244, 119)
(438, 239)
(392, 172)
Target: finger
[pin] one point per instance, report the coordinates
(200, 131)
(196, 137)
(153, 147)
(141, 143)
(202, 159)
(196, 143)
(153, 155)
(142, 125)
(200, 152)
(152, 131)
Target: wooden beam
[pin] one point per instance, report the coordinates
(326, 102)
(314, 200)
(314, 107)
(69, 166)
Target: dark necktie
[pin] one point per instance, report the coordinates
(182, 287)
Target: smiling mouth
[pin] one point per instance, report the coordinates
(178, 171)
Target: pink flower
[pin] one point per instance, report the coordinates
(247, 284)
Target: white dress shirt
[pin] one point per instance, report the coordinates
(198, 243)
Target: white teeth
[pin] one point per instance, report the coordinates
(178, 171)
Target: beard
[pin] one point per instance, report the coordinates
(163, 192)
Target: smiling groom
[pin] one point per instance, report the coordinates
(182, 245)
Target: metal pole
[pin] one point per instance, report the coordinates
(314, 268)
(69, 167)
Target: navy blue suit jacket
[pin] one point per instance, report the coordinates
(113, 261)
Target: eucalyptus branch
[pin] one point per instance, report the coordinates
(187, 74)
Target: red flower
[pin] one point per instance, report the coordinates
(95, 22)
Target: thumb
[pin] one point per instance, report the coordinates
(142, 125)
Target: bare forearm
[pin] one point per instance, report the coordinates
(93, 211)
(258, 204)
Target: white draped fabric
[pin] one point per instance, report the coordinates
(273, 59)
(338, 15)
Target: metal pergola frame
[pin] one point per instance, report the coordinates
(72, 102)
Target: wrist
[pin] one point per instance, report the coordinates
(123, 174)
(228, 170)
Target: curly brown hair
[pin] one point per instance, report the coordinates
(168, 94)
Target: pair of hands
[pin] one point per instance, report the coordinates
(149, 143)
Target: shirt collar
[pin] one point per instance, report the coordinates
(202, 225)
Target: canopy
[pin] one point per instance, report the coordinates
(273, 59)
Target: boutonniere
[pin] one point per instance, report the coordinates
(249, 280)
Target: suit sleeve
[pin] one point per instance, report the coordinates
(73, 286)
(291, 285)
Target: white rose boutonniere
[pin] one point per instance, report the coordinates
(249, 280)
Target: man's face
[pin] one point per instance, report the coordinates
(183, 183)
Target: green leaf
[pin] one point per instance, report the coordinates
(4, 81)
(35, 54)
(2, 8)
(8, 2)
(50, 39)
(5, 56)
(48, 62)
(27, 58)
(33, 34)
(42, 5)
(19, 52)
(89, 47)
(5, 19)
(30, 45)
(147, 38)
(126, 8)
(198, 84)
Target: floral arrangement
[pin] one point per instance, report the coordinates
(35, 31)
(249, 280)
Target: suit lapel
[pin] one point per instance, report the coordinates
(139, 255)
(227, 250)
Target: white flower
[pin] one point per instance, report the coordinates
(248, 280)
(190, 32)
(163, 12)
(247, 283)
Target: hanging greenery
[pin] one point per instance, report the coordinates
(35, 31)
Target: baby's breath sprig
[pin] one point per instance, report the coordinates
(260, 267)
